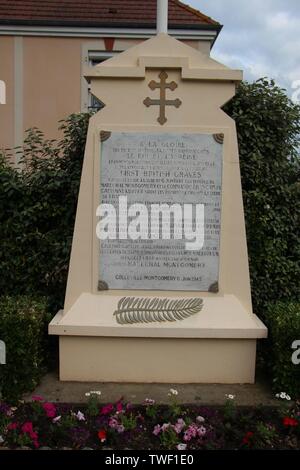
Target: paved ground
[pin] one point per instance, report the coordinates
(205, 394)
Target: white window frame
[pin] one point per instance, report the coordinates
(90, 53)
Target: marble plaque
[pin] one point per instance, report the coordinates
(155, 169)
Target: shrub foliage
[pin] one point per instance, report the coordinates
(37, 212)
(23, 326)
(268, 127)
(284, 329)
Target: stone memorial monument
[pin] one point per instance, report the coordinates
(158, 287)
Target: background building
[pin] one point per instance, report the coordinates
(45, 44)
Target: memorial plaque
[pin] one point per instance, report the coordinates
(163, 168)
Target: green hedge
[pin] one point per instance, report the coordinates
(268, 128)
(283, 321)
(37, 212)
(23, 328)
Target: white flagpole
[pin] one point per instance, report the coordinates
(162, 16)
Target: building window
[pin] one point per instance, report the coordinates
(95, 58)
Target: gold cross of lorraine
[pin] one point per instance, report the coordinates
(162, 102)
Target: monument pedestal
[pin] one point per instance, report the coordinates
(218, 345)
(157, 360)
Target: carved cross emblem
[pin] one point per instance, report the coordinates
(162, 102)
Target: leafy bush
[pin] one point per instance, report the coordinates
(268, 127)
(283, 321)
(37, 212)
(23, 327)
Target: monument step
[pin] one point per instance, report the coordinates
(220, 317)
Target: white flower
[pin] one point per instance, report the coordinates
(80, 416)
(283, 396)
(173, 392)
(200, 419)
(181, 446)
(149, 401)
(56, 419)
(230, 397)
(165, 426)
(1, 440)
(93, 392)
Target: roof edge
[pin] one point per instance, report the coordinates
(91, 24)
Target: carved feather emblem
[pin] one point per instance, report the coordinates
(146, 309)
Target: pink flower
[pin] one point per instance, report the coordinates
(27, 427)
(113, 423)
(34, 435)
(119, 407)
(49, 409)
(107, 409)
(187, 436)
(156, 430)
(120, 428)
(12, 426)
(178, 427)
(191, 432)
(37, 398)
(201, 431)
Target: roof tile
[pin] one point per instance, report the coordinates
(102, 12)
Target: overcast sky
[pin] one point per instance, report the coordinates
(260, 36)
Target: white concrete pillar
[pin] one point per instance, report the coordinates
(162, 16)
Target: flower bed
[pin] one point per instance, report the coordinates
(120, 425)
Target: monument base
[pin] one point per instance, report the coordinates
(217, 345)
(157, 360)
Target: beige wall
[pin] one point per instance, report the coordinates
(44, 77)
(7, 74)
(51, 81)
